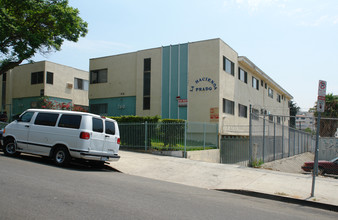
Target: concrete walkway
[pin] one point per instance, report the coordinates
(228, 177)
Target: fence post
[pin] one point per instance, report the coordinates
(264, 137)
(274, 139)
(282, 136)
(289, 141)
(185, 139)
(250, 137)
(294, 142)
(204, 134)
(146, 136)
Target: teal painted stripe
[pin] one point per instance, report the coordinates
(165, 81)
(174, 80)
(117, 106)
(183, 114)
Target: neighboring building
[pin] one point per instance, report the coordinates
(203, 81)
(305, 120)
(23, 86)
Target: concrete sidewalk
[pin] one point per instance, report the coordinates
(227, 177)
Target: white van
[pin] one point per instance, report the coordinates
(63, 135)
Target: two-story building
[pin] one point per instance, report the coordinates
(23, 86)
(203, 81)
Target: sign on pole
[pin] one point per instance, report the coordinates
(321, 96)
(320, 109)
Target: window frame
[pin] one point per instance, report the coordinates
(37, 77)
(270, 93)
(242, 111)
(43, 119)
(50, 78)
(255, 83)
(99, 76)
(146, 83)
(64, 121)
(94, 124)
(228, 109)
(240, 75)
(227, 62)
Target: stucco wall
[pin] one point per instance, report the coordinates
(203, 79)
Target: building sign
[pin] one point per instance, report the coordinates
(214, 115)
(182, 102)
(203, 84)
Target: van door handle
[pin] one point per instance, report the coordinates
(107, 136)
(27, 126)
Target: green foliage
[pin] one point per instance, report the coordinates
(136, 119)
(328, 127)
(256, 163)
(293, 112)
(31, 26)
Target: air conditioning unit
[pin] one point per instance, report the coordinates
(69, 85)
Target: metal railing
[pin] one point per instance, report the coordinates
(169, 136)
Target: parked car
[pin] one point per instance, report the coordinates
(329, 167)
(63, 135)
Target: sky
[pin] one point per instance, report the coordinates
(295, 42)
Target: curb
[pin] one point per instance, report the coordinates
(312, 204)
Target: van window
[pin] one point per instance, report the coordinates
(110, 127)
(97, 125)
(70, 121)
(26, 117)
(46, 119)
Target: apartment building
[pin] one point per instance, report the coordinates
(23, 86)
(305, 120)
(204, 81)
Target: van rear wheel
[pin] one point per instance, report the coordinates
(61, 156)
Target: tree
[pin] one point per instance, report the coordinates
(31, 26)
(294, 109)
(329, 120)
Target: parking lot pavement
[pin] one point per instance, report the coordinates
(228, 177)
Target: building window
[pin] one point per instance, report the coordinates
(37, 78)
(81, 84)
(255, 83)
(270, 93)
(99, 109)
(255, 114)
(228, 107)
(98, 76)
(278, 98)
(242, 75)
(50, 78)
(242, 111)
(278, 120)
(228, 66)
(146, 83)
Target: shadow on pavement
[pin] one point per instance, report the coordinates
(78, 165)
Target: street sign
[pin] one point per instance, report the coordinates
(320, 106)
(322, 88)
(321, 96)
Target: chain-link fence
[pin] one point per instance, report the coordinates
(269, 139)
(169, 136)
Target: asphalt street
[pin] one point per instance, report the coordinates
(33, 188)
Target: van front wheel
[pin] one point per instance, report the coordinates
(10, 148)
(61, 156)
